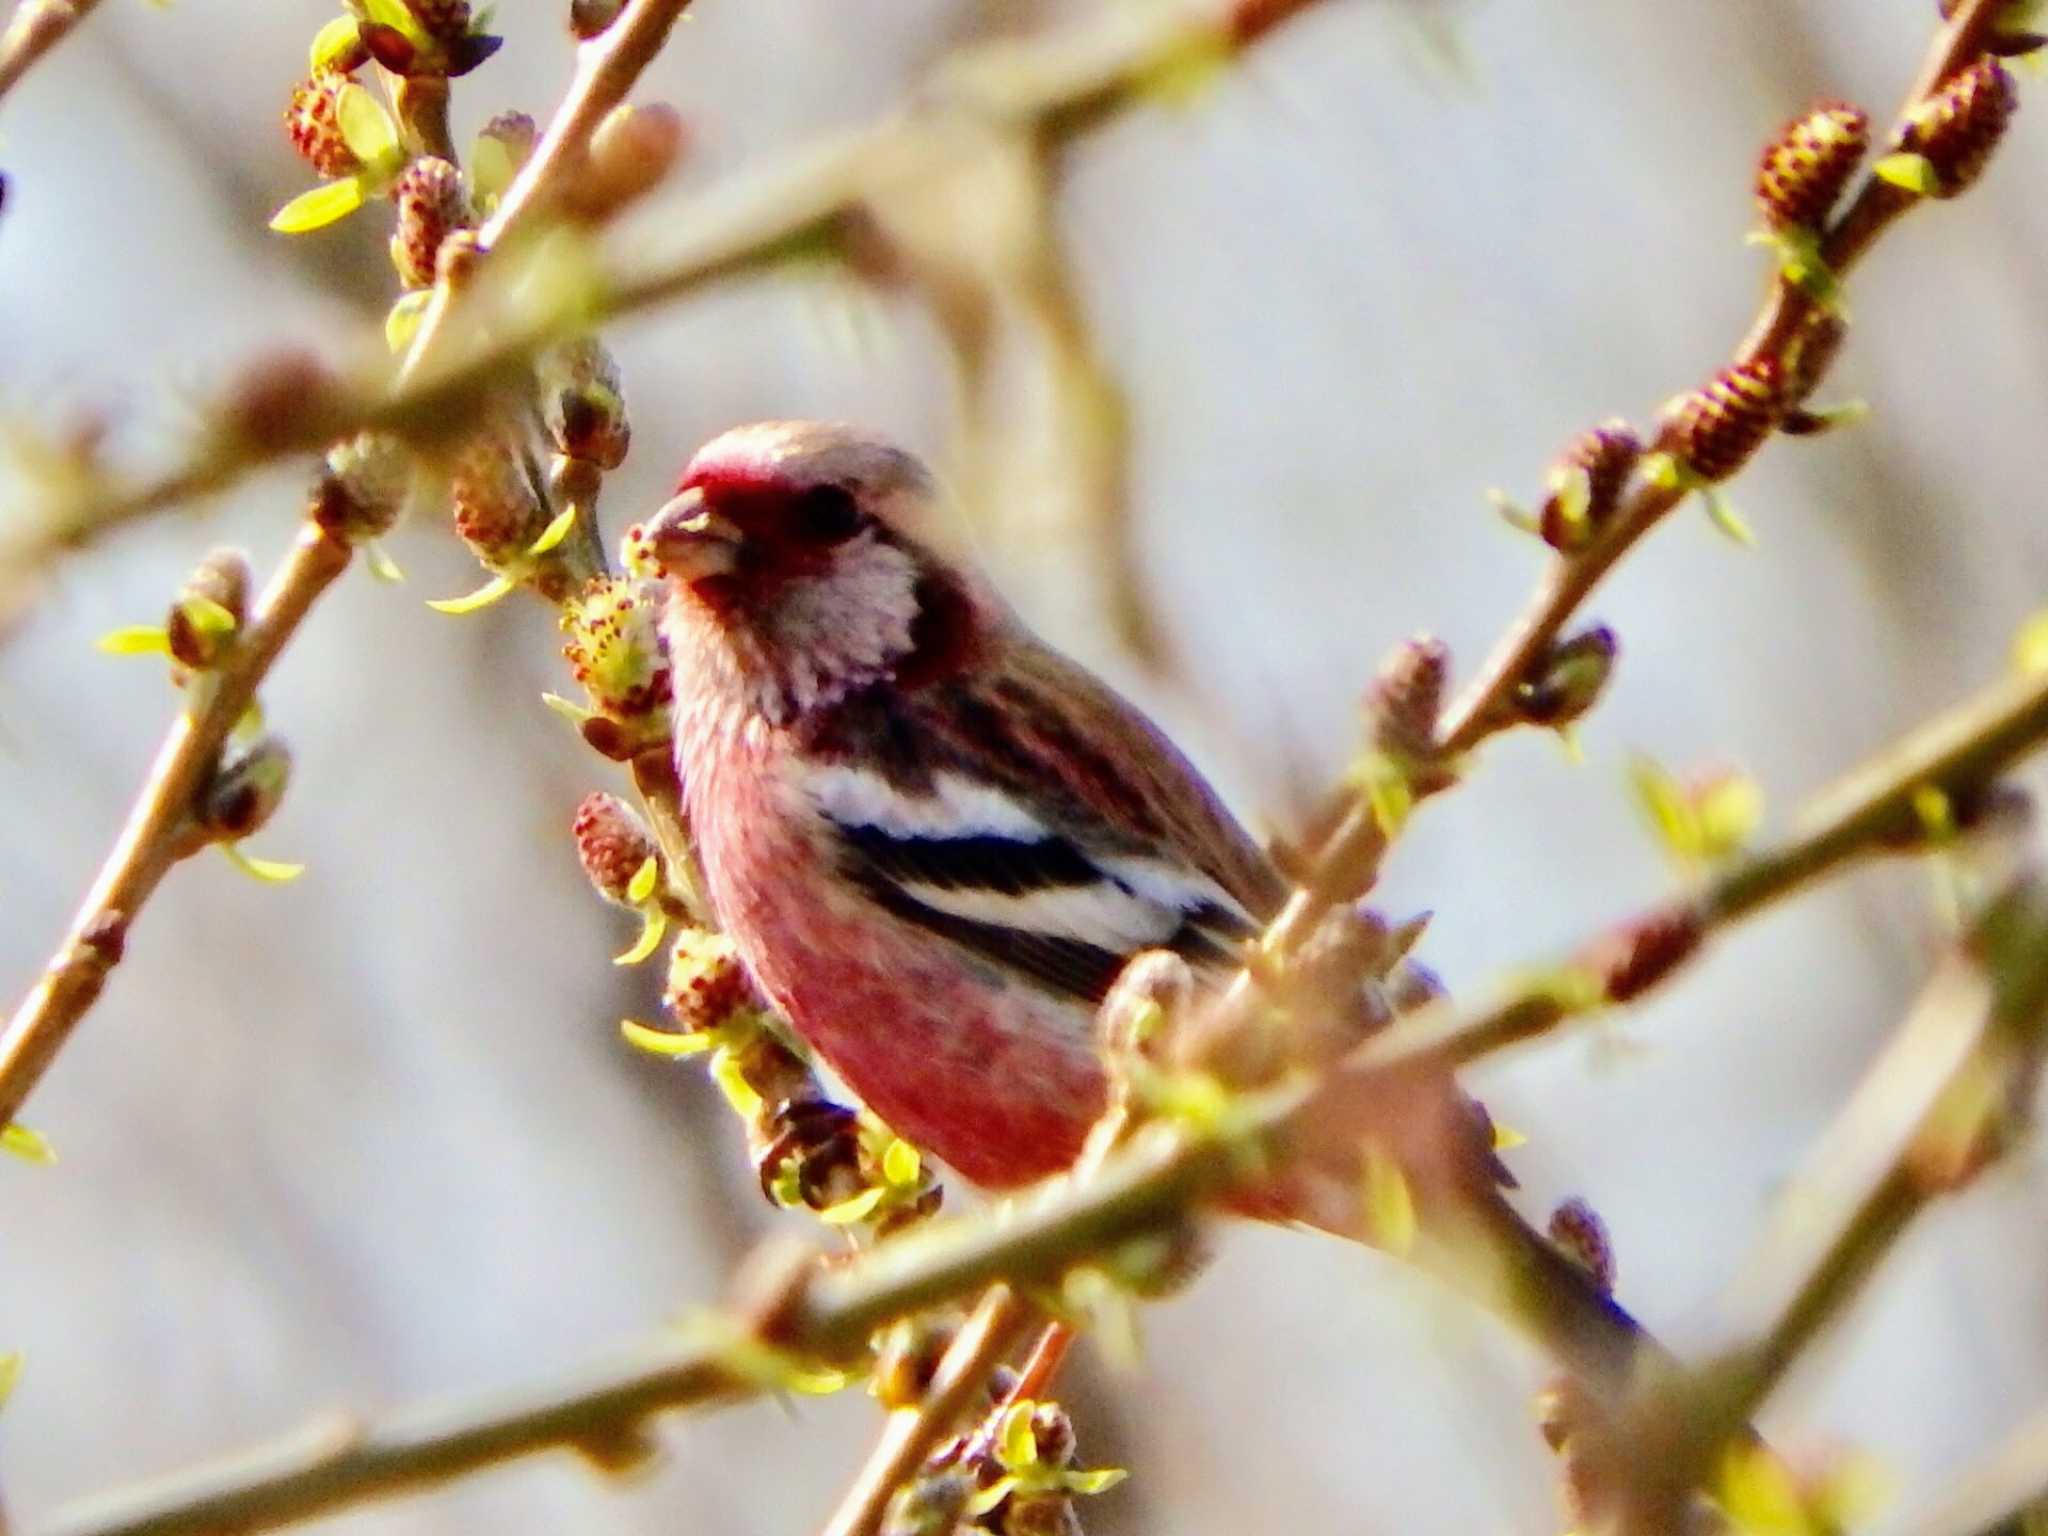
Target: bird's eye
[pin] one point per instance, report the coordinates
(825, 514)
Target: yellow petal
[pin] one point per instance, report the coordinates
(569, 709)
(365, 126)
(318, 208)
(330, 43)
(852, 1209)
(269, 871)
(382, 566)
(1016, 1445)
(10, 1373)
(1724, 517)
(482, 597)
(1913, 172)
(1506, 1138)
(555, 532)
(641, 886)
(29, 1145)
(403, 319)
(1098, 1480)
(653, 924)
(665, 1042)
(136, 640)
(901, 1164)
(206, 616)
(732, 1082)
(1389, 1207)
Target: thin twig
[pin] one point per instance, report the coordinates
(147, 847)
(1568, 580)
(607, 67)
(150, 843)
(1166, 1171)
(33, 30)
(1959, 1074)
(912, 1433)
(754, 222)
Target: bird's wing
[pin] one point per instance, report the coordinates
(1029, 814)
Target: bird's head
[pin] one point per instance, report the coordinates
(790, 549)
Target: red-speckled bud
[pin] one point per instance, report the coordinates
(1714, 430)
(313, 121)
(1803, 170)
(1407, 696)
(497, 512)
(1956, 129)
(1584, 485)
(431, 202)
(613, 844)
(615, 647)
(707, 984)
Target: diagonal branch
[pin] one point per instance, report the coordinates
(151, 842)
(1167, 1170)
(1570, 579)
(33, 30)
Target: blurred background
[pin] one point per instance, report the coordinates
(373, 1136)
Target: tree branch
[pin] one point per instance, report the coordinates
(1165, 1171)
(152, 842)
(33, 30)
(755, 221)
(1484, 707)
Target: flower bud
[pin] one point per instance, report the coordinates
(613, 844)
(431, 202)
(580, 401)
(1802, 172)
(616, 650)
(1948, 139)
(313, 120)
(708, 986)
(497, 513)
(210, 609)
(808, 1153)
(364, 487)
(1143, 1003)
(1585, 484)
(1407, 696)
(245, 791)
(632, 150)
(1570, 680)
(514, 134)
(907, 1357)
(1629, 960)
(1713, 431)
(279, 401)
(1580, 1234)
(1811, 354)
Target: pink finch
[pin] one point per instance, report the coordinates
(934, 839)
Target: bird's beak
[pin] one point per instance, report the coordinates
(690, 541)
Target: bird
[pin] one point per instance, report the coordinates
(935, 840)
